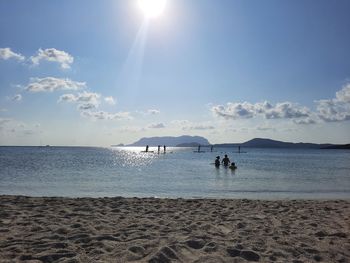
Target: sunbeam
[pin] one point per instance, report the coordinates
(129, 77)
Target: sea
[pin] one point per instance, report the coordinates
(178, 173)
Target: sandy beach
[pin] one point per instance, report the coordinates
(172, 230)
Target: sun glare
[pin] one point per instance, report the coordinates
(152, 8)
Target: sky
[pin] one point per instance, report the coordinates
(97, 73)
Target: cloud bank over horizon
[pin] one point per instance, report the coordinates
(336, 109)
(88, 103)
(328, 110)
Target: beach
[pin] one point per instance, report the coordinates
(56, 229)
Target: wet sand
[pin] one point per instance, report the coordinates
(172, 230)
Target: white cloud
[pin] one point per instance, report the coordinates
(153, 111)
(246, 110)
(53, 55)
(110, 100)
(333, 110)
(328, 110)
(149, 112)
(50, 84)
(7, 53)
(306, 121)
(243, 110)
(286, 110)
(265, 128)
(18, 128)
(4, 121)
(67, 98)
(88, 102)
(84, 97)
(199, 127)
(17, 97)
(156, 126)
(337, 109)
(102, 115)
(344, 94)
(87, 106)
(180, 122)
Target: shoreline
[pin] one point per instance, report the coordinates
(258, 197)
(118, 229)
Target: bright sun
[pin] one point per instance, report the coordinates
(152, 8)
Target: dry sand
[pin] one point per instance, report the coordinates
(172, 230)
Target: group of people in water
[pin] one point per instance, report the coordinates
(164, 148)
(225, 161)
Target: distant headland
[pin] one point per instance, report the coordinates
(194, 141)
(172, 141)
(269, 143)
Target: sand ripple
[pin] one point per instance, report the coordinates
(172, 230)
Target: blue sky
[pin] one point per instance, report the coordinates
(99, 73)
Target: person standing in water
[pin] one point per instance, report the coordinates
(164, 148)
(226, 161)
(147, 148)
(199, 148)
(217, 161)
(158, 149)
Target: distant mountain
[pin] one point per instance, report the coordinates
(171, 141)
(268, 143)
(343, 146)
(194, 141)
(118, 145)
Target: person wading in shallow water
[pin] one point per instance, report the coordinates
(226, 161)
(217, 161)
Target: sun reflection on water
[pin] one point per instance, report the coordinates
(133, 157)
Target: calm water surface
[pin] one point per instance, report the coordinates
(99, 172)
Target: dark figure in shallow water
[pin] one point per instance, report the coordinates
(217, 161)
(226, 161)
(164, 148)
(147, 148)
(233, 166)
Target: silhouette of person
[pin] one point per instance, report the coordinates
(233, 166)
(217, 161)
(164, 148)
(226, 161)
(199, 148)
(239, 149)
(147, 148)
(158, 149)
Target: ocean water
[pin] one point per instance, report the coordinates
(124, 171)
